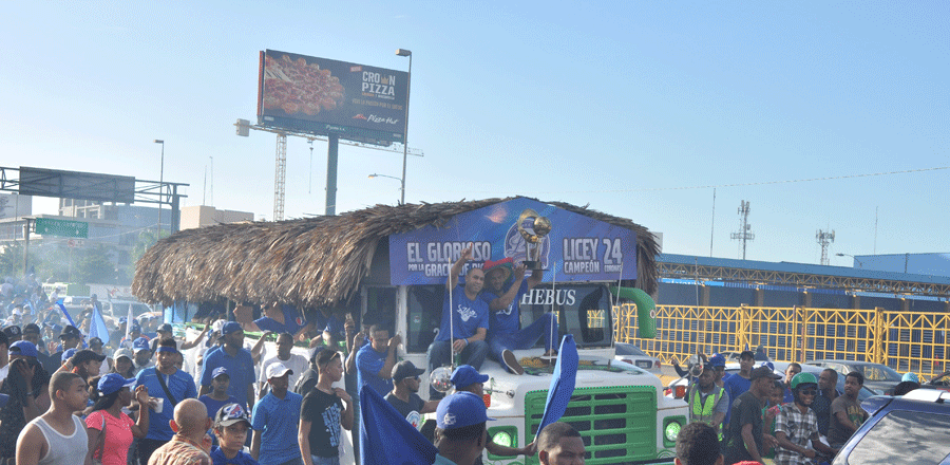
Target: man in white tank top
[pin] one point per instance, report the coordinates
(57, 437)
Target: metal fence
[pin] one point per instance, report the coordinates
(905, 341)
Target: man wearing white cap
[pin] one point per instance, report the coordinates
(295, 362)
(275, 419)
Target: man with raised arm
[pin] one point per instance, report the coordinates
(467, 315)
(503, 292)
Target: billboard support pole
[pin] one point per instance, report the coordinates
(333, 148)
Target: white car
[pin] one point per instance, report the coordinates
(629, 353)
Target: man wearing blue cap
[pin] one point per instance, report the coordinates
(467, 379)
(142, 354)
(171, 386)
(460, 429)
(239, 362)
(718, 363)
(220, 379)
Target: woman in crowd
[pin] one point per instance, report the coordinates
(123, 363)
(110, 431)
(27, 384)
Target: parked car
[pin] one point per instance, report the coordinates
(732, 368)
(120, 308)
(941, 381)
(632, 354)
(880, 378)
(905, 429)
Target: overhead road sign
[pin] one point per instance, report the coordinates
(76, 185)
(63, 228)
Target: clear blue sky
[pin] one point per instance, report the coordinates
(603, 103)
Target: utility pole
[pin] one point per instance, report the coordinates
(825, 239)
(745, 233)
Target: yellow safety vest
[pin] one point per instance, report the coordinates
(700, 411)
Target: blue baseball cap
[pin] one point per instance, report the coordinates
(460, 410)
(67, 354)
(140, 344)
(113, 382)
(230, 327)
(220, 371)
(23, 349)
(717, 360)
(466, 375)
(164, 328)
(912, 377)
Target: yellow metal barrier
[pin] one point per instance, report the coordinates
(905, 341)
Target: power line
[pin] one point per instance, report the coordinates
(711, 186)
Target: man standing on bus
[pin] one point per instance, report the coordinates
(469, 321)
(503, 296)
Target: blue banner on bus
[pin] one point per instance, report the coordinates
(577, 248)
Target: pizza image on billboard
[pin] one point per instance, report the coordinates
(322, 96)
(295, 86)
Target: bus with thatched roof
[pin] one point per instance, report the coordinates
(391, 264)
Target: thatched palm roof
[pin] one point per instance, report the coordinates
(309, 262)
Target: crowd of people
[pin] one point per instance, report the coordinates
(142, 397)
(757, 414)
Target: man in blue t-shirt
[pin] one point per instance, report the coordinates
(237, 360)
(503, 292)
(275, 420)
(469, 321)
(375, 361)
(166, 376)
(737, 384)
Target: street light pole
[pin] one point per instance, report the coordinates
(377, 175)
(860, 263)
(405, 134)
(161, 186)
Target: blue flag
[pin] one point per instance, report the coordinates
(562, 383)
(68, 318)
(386, 437)
(98, 328)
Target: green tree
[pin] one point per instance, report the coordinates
(146, 240)
(11, 259)
(95, 265)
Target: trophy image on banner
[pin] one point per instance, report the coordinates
(540, 226)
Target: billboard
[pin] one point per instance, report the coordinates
(321, 96)
(578, 248)
(44, 182)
